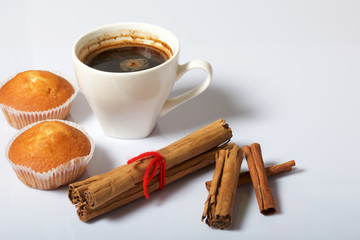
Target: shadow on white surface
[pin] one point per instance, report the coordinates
(80, 110)
(60, 190)
(99, 164)
(274, 186)
(244, 194)
(213, 104)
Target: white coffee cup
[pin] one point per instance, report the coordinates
(128, 104)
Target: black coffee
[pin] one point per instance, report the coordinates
(120, 58)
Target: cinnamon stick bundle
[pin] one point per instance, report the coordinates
(220, 201)
(86, 213)
(99, 190)
(244, 177)
(259, 178)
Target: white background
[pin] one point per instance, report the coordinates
(286, 75)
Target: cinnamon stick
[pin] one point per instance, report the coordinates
(259, 178)
(244, 177)
(86, 213)
(220, 201)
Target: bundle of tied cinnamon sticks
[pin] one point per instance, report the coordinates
(102, 193)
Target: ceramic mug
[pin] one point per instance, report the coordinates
(128, 104)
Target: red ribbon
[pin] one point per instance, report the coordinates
(158, 162)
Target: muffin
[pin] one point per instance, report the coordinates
(50, 153)
(35, 95)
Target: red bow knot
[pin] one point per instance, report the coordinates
(157, 162)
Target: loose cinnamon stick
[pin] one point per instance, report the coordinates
(86, 213)
(259, 178)
(220, 201)
(244, 177)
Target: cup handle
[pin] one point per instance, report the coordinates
(174, 102)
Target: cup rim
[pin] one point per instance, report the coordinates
(147, 25)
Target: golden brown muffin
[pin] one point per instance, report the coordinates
(35, 90)
(50, 146)
(35, 95)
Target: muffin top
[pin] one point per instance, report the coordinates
(35, 90)
(47, 145)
